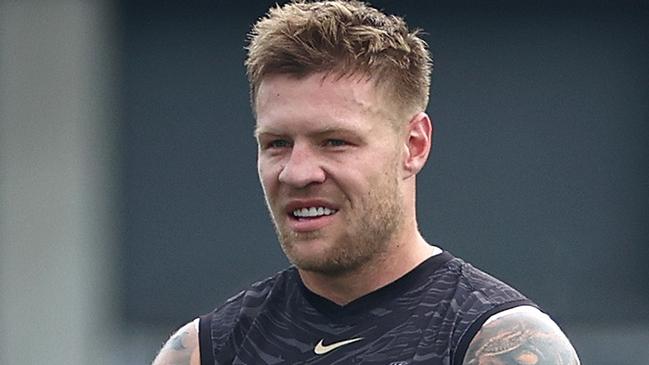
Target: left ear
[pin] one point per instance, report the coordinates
(419, 136)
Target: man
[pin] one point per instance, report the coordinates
(339, 91)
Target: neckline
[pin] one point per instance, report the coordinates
(377, 297)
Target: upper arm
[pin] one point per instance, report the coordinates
(182, 348)
(520, 336)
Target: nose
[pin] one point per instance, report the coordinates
(302, 168)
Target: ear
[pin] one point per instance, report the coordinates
(419, 136)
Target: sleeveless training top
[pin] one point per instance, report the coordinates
(428, 316)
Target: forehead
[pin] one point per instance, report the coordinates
(318, 100)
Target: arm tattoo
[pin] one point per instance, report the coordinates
(523, 338)
(181, 349)
(176, 342)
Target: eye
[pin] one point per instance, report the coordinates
(335, 143)
(278, 143)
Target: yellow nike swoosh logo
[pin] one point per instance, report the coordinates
(321, 349)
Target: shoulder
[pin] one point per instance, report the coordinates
(237, 314)
(253, 299)
(484, 285)
(468, 283)
(474, 295)
(182, 348)
(520, 336)
(215, 328)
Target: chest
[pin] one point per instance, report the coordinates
(385, 336)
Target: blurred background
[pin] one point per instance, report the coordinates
(129, 201)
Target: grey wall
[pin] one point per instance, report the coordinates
(57, 216)
(539, 171)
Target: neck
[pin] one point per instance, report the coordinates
(403, 256)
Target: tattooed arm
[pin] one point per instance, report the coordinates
(181, 349)
(520, 336)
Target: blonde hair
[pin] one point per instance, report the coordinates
(344, 38)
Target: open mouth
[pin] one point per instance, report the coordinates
(312, 213)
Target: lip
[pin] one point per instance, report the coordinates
(310, 224)
(307, 203)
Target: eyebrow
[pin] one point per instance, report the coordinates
(258, 131)
(324, 131)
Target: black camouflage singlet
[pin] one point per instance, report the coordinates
(428, 316)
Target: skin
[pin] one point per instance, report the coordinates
(181, 349)
(340, 142)
(521, 336)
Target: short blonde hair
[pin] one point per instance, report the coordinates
(345, 38)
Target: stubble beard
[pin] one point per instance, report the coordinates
(370, 230)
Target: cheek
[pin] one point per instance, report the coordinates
(355, 184)
(268, 175)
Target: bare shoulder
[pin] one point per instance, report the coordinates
(182, 348)
(520, 336)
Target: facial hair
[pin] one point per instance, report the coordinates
(371, 225)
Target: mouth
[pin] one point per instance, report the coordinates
(312, 212)
(309, 216)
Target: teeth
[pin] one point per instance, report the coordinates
(313, 212)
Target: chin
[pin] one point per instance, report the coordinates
(318, 257)
(322, 266)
